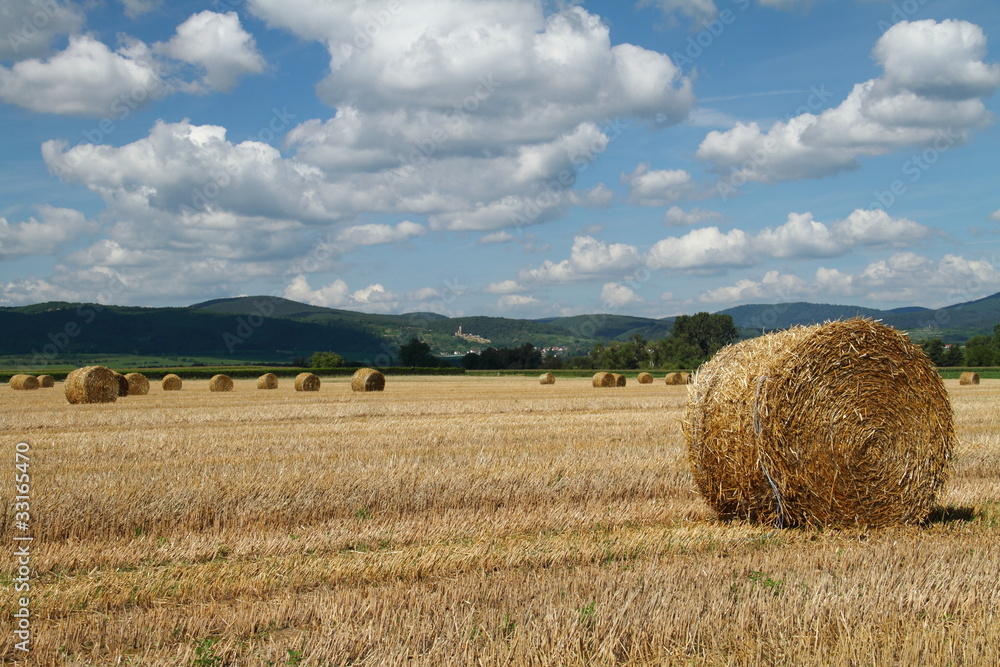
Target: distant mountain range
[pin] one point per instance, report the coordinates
(264, 328)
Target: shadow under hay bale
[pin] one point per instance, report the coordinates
(603, 380)
(171, 382)
(367, 379)
(46, 381)
(619, 380)
(138, 385)
(845, 423)
(968, 378)
(220, 382)
(645, 378)
(267, 381)
(92, 384)
(24, 382)
(547, 378)
(307, 382)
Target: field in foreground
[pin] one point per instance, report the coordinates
(455, 521)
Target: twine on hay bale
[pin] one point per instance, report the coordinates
(267, 381)
(603, 380)
(619, 380)
(23, 382)
(307, 382)
(645, 378)
(122, 384)
(968, 378)
(92, 384)
(171, 382)
(367, 379)
(220, 382)
(844, 423)
(138, 385)
(46, 381)
(547, 378)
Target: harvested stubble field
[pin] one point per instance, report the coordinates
(456, 521)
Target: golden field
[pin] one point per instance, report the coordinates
(461, 521)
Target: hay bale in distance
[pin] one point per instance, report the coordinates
(122, 384)
(619, 380)
(24, 382)
(367, 379)
(603, 380)
(307, 382)
(46, 381)
(171, 382)
(844, 423)
(220, 382)
(138, 385)
(686, 378)
(92, 384)
(964, 378)
(645, 378)
(675, 378)
(267, 381)
(547, 378)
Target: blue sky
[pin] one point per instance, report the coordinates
(500, 157)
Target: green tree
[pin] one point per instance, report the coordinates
(980, 351)
(671, 353)
(326, 360)
(953, 356)
(934, 349)
(416, 353)
(706, 331)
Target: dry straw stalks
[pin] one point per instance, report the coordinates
(138, 385)
(845, 423)
(220, 382)
(367, 379)
(307, 382)
(92, 384)
(267, 381)
(171, 382)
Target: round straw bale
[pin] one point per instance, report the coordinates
(267, 381)
(603, 380)
(964, 378)
(645, 378)
(122, 384)
(674, 378)
(619, 380)
(844, 423)
(46, 381)
(307, 382)
(685, 378)
(138, 385)
(547, 378)
(220, 382)
(367, 379)
(92, 384)
(20, 382)
(171, 382)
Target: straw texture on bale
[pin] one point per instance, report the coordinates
(604, 380)
(367, 379)
(171, 382)
(645, 378)
(21, 382)
(968, 378)
(844, 423)
(92, 384)
(220, 382)
(307, 382)
(138, 385)
(547, 378)
(619, 380)
(267, 381)
(46, 381)
(122, 384)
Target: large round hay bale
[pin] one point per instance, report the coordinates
(307, 382)
(675, 378)
(92, 384)
(46, 381)
(138, 385)
(603, 380)
(267, 381)
(686, 378)
(619, 380)
(968, 378)
(23, 382)
(547, 378)
(645, 378)
(844, 423)
(122, 384)
(220, 382)
(367, 379)
(171, 382)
